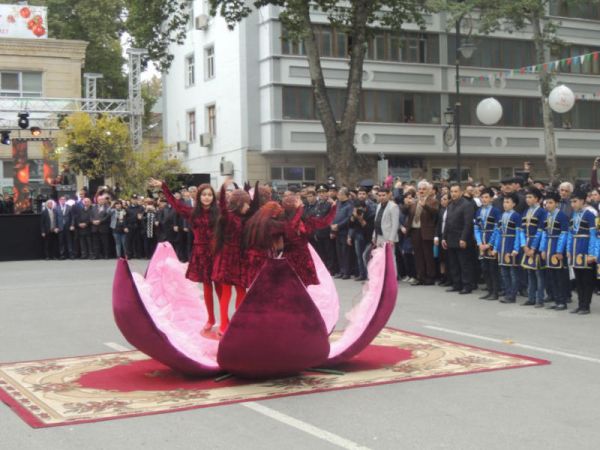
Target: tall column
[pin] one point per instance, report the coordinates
(136, 102)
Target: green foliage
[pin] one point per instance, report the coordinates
(148, 163)
(155, 25)
(96, 148)
(151, 92)
(100, 23)
(387, 13)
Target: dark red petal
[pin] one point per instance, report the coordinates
(277, 331)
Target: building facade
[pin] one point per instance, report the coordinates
(35, 68)
(240, 101)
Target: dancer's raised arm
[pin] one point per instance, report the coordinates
(181, 208)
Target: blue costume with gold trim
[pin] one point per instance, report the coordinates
(554, 239)
(506, 238)
(581, 241)
(486, 221)
(530, 233)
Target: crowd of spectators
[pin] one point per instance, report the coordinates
(523, 237)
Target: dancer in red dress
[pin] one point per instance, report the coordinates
(263, 238)
(297, 233)
(228, 267)
(203, 218)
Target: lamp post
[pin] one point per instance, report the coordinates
(453, 114)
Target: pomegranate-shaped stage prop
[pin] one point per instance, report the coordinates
(280, 329)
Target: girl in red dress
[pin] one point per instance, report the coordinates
(228, 266)
(297, 233)
(203, 218)
(263, 238)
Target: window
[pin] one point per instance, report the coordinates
(584, 115)
(449, 173)
(9, 169)
(526, 112)
(384, 46)
(498, 174)
(568, 8)
(324, 42)
(190, 11)
(341, 45)
(190, 74)
(294, 173)
(590, 65)
(21, 84)
(191, 126)
(405, 47)
(290, 46)
(516, 111)
(491, 52)
(375, 106)
(211, 118)
(209, 62)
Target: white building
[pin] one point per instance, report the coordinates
(243, 97)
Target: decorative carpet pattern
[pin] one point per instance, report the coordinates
(69, 391)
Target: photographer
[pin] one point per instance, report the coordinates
(594, 180)
(361, 230)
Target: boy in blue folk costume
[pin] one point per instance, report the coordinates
(531, 231)
(486, 222)
(506, 246)
(552, 251)
(581, 245)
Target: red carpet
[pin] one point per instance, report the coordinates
(86, 389)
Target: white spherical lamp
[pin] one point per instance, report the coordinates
(561, 99)
(489, 111)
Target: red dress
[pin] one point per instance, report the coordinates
(296, 238)
(228, 266)
(201, 260)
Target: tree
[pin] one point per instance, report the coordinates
(150, 162)
(100, 23)
(151, 93)
(519, 15)
(96, 147)
(156, 24)
(357, 18)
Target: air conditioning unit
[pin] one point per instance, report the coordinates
(201, 22)
(206, 140)
(226, 168)
(182, 146)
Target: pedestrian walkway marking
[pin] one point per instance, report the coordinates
(283, 418)
(514, 344)
(117, 347)
(303, 426)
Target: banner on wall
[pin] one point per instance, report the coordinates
(34, 179)
(23, 22)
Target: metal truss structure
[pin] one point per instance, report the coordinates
(47, 112)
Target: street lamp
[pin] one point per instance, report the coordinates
(466, 50)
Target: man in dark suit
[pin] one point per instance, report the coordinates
(64, 214)
(321, 237)
(83, 224)
(50, 230)
(458, 238)
(339, 228)
(133, 222)
(101, 228)
(421, 225)
(168, 223)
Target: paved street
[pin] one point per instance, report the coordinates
(63, 308)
